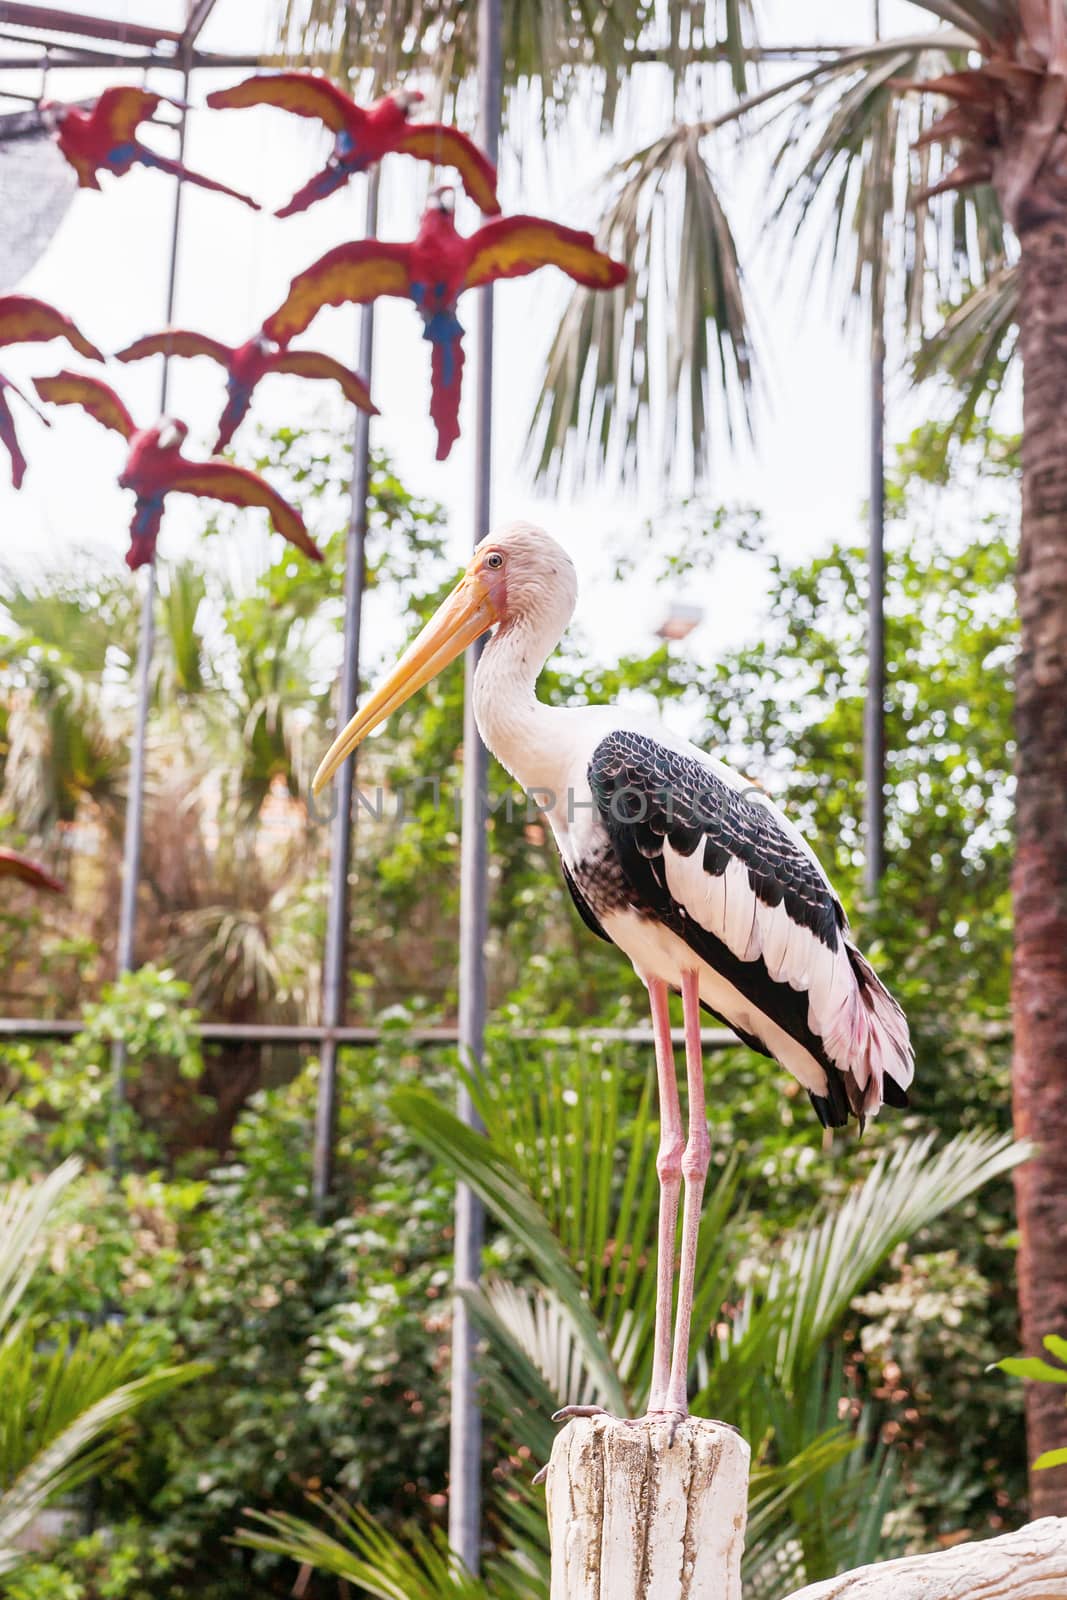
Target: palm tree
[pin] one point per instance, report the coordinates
(932, 166)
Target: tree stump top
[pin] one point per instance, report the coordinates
(636, 1517)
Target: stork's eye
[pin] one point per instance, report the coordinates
(494, 559)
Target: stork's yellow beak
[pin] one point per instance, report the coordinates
(466, 614)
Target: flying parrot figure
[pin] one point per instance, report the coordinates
(433, 271)
(24, 320)
(155, 467)
(246, 365)
(101, 137)
(15, 865)
(363, 137)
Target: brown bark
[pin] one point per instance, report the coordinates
(1040, 877)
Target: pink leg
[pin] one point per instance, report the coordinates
(669, 1168)
(694, 1166)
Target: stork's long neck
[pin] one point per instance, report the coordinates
(522, 732)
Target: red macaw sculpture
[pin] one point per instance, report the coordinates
(246, 365)
(101, 137)
(24, 320)
(363, 137)
(433, 271)
(15, 865)
(155, 467)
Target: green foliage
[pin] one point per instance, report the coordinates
(62, 1405)
(1038, 1371)
(362, 1553)
(72, 1095)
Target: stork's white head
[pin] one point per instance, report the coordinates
(517, 577)
(530, 577)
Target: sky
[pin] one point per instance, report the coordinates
(807, 468)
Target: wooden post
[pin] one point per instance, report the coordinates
(1029, 1564)
(633, 1516)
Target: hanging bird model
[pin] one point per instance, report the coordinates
(363, 136)
(246, 365)
(433, 271)
(155, 467)
(692, 872)
(24, 320)
(102, 137)
(13, 864)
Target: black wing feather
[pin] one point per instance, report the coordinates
(647, 793)
(584, 909)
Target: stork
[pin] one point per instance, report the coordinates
(681, 863)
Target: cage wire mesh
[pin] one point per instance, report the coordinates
(36, 186)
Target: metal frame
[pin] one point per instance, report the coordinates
(874, 740)
(51, 29)
(334, 985)
(713, 1039)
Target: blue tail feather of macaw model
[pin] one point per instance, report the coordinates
(324, 183)
(446, 381)
(239, 398)
(144, 531)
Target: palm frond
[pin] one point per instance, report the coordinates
(554, 46)
(987, 19)
(66, 1458)
(478, 1162)
(361, 1552)
(604, 388)
(975, 345)
(58, 1410)
(24, 1212)
(855, 166)
(823, 1267)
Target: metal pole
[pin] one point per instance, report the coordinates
(335, 965)
(134, 830)
(465, 1449)
(874, 705)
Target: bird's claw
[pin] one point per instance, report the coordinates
(674, 1418)
(539, 1477)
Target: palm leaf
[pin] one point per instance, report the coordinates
(975, 345)
(552, 45)
(66, 1459)
(361, 1552)
(604, 388)
(823, 1267)
(849, 171)
(24, 1212)
(988, 18)
(57, 1410)
(477, 1162)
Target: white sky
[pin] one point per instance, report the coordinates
(106, 267)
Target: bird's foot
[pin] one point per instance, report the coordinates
(674, 1416)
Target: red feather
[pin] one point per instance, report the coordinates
(446, 382)
(102, 403)
(24, 320)
(9, 438)
(219, 480)
(15, 865)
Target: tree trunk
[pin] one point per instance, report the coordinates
(1040, 876)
